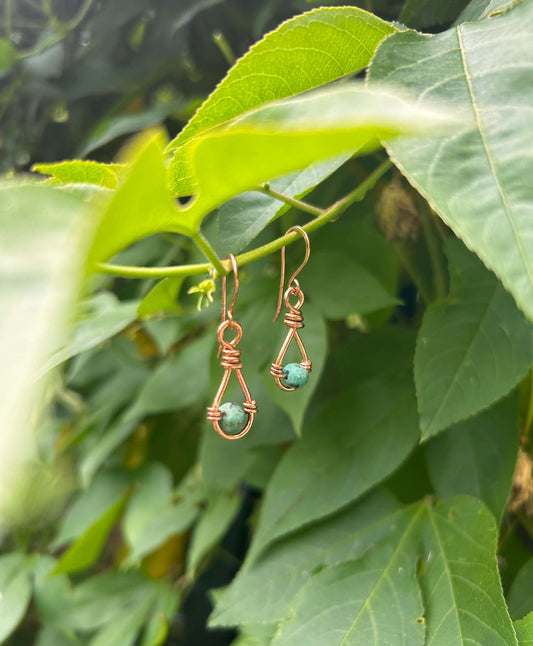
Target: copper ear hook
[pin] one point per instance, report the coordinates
(293, 284)
(231, 362)
(227, 314)
(293, 320)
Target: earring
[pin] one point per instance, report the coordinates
(292, 375)
(231, 421)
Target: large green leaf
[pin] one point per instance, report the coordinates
(374, 600)
(263, 591)
(447, 549)
(478, 456)
(305, 52)
(475, 177)
(472, 348)
(340, 287)
(283, 137)
(460, 583)
(42, 246)
(141, 205)
(361, 436)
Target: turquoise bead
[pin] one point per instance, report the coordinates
(297, 375)
(234, 419)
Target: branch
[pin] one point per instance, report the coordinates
(326, 215)
(298, 204)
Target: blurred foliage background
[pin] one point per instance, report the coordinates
(77, 79)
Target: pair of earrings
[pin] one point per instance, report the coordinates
(232, 421)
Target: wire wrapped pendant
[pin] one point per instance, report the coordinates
(230, 420)
(291, 376)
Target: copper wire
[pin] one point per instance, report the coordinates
(293, 283)
(231, 361)
(293, 318)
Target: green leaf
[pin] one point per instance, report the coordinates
(374, 600)
(163, 297)
(123, 630)
(263, 590)
(303, 53)
(104, 316)
(177, 382)
(477, 457)
(82, 171)
(524, 630)
(318, 125)
(520, 597)
(472, 348)
(153, 516)
(153, 491)
(360, 437)
(315, 339)
(241, 219)
(116, 125)
(460, 582)
(43, 237)
(338, 286)
(214, 523)
(16, 588)
(106, 490)
(163, 612)
(142, 205)
(88, 547)
(474, 178)
(106, 597)
(110, 440)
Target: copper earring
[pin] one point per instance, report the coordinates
(231, 421)
(291, 376)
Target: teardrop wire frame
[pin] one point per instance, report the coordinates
(293, 318)
(231, 362)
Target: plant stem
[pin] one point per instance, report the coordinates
(222, 267)
(298, 204)
(435, 252)
(220, 41)
(209, 252)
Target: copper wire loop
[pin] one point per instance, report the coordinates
(250, 407)
(307, 365)
(229, 324)
(214, 414)
(231, 359)
(294, 320)
(276, 370)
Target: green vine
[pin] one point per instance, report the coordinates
(222, 267)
